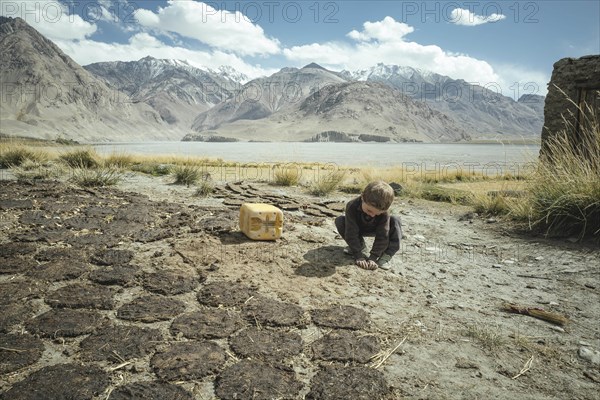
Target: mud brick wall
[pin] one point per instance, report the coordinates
(577, 80)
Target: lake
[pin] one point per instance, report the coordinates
(409, 155)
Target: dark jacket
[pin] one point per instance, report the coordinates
(359, 224)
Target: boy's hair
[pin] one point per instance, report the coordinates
(379, 195)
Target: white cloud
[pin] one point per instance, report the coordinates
(516, 80)
(225, 30)
(143, 44)
(51, 18)
(387, 30)
(461, 16)
(385, 42)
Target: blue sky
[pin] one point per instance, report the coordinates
(509, 44)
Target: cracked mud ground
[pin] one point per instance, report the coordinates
(143, 292)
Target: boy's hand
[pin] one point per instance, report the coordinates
(366, 264)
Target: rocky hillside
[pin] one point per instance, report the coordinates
(46, 94)
(175, 89)
(262, 97)
(349, 111)
(481, 111)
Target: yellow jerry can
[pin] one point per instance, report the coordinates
(261, 221)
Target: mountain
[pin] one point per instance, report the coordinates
(175, 89)
(482, 112)
(46, 94)
(262, 97)
(347, 111)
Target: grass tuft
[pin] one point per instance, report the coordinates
(205, 188)
(35, 170)
(82, 158)
(118, 160)
(98, 177)
(287, 176)
(186, 174)
(14, 156)
(327, 183)
(565, 189)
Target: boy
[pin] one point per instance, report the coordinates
(367, 215)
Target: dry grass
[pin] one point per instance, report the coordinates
(565, 190)
(287, 175)
(488, 337)
(327, 182)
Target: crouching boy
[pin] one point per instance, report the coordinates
(367, 215)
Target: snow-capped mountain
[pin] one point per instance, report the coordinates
(483, 112)
(45, 94)
(177, 90)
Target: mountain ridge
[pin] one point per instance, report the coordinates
(166, 99)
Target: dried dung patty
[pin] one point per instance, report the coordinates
(118, 343)
(255, 380)
(226, 294)
(35, 217)
(170, 282)
(343, 383)
(15, 291)
(16, 249)
(15, 204)
(266, 344)
(13, 314)
(341, 317)
(152, 235)
(15, 265)
(60, 253)
(264, 311)
(124, 275)
(19, 351)
(82, 296)
(188, 360)
(150, 391)
(61, 382)
(346, 346)
(151, 308)
(60, 270)
(112, 257)
(64, 322)
(208, 323)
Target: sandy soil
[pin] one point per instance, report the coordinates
(156, 292)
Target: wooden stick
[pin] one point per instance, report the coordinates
(538, 313)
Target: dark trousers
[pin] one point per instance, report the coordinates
(394, 239)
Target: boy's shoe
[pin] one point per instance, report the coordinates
(384, 262)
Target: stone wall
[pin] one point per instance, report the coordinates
(577, 80)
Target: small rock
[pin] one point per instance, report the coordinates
(491, 220)
(582, 343)
(465, 364)
(419, 238)
(539, 258)
(557, 329)
(553, 304)
(590, 286)
(496, 266)
(508, 262)
(590, 355)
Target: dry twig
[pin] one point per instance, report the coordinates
(384, 356)
(525, 368)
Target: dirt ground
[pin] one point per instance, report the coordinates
(146, 291)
